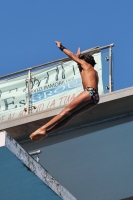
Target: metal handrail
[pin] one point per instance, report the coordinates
(92, 51)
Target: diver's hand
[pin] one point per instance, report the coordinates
(58, 44)
(78, 53)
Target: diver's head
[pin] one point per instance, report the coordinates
(89, 59)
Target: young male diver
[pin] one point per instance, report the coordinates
(90, 95)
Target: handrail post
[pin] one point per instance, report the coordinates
(29, 93)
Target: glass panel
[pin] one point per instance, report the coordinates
(51, 87)
(105, 70)
(13, 98)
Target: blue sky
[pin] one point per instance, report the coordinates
(30, 27)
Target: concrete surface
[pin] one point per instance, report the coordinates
(111, 105)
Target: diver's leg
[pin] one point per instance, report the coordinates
(78, 102)
(66, 120)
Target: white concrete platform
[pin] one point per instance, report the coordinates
(114, 104)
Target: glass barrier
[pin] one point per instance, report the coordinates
(48, 86)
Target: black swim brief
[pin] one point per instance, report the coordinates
(94, 94)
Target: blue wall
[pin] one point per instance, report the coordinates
(96, 163)
(17, 182)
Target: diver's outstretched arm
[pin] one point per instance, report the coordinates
(70, 54)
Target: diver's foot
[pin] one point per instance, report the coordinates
(38, 135)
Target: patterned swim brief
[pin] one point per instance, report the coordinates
(94, 94)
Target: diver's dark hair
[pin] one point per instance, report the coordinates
(89, 59)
